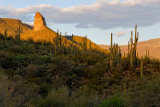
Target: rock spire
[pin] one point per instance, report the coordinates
(39, 22)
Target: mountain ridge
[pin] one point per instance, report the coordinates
(45, 34)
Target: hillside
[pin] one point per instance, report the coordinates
(31, 74)
(152, 45)
(45, 34)
(79, 39)
(11, 25)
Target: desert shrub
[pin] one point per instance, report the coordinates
(11, 61)
(31, 70)
(14, 93)
(145, 92)
(63, 97)
(114, 101)
(89, 58)
(37, 59)
(55, 98)
(84, 97)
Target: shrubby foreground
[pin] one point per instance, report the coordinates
(31, 75)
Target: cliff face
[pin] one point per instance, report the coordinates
(39, 22)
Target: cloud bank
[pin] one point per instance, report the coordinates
(104, 14)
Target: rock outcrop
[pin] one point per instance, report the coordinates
(39, 22)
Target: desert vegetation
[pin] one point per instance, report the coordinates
(45, 74)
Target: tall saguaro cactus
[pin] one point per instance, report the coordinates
(55, 49)
(128, 49)
(18, 32)
(141, 67)
(65, 38)
(119, 52)
(111, 51)
(124, 55)
(84, 43)
(115, 53)
(56, 43)
(72, 43)
(90, 46)
(5, 34)
(131, 50)
(135, 45)
(60, 39)
(137, 55)
(57, 38)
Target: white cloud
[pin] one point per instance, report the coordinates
(104, 14)
(121, 33)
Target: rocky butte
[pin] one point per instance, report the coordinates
(39, 22)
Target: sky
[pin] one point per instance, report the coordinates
(95, 18)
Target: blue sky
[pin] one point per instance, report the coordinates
(94, 18)
(59, 3)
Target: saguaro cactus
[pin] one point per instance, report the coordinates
(135, 45)
(65, 38)
(124, 55)
(84, 43)
(90, 46)
(137, 55)
(56, 43)
(128, 48)
(55, 49)
(57, 38)
(148, 53)
(119, 52)
(115, 53)
(60, 39)
(18, 32)
(72, 43)
(111, 52)
(5, 34)
(141, 68)
(131, 50)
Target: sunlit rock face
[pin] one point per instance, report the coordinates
(39, 22)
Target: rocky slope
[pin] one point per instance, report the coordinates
(12, 25)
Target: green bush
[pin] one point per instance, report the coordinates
(114, 101)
